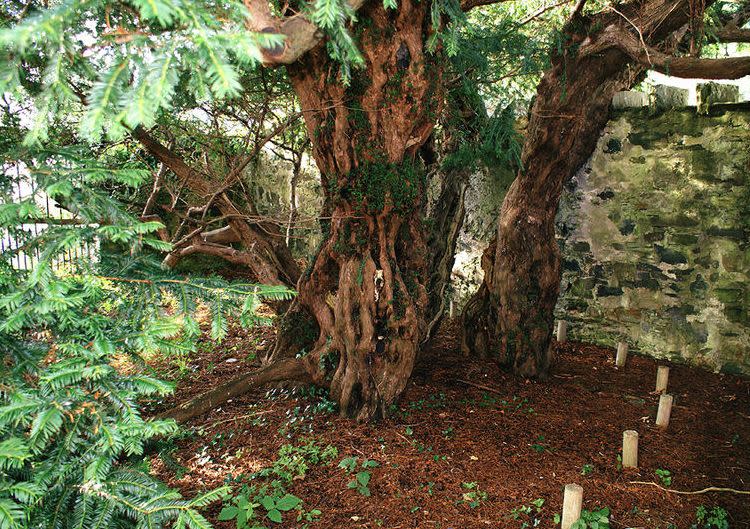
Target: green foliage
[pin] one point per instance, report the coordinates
(362, 478)
(665, 476)
(448, 33)
(332, 16)
(530, 514)
(473, 496)
(587, 469)
(244, 510)
(714, 518)
(126, 64)
(265, 496)
(596, 519)
(72, 433)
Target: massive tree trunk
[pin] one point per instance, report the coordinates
(511, 316)
(366, 285)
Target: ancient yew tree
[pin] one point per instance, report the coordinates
(370, 80)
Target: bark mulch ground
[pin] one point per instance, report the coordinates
(464, 421)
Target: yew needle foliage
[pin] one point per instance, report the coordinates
(72, 433)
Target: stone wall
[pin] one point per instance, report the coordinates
(655, 234)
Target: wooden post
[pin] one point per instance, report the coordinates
(562, 330)
(630, 449)
(572, 503)
(665, 410)
(662, 378)
(450, 309)
(622, 354)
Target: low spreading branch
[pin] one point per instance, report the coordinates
(283, 370)
(686, 67)
(467, 5)
(733, 34)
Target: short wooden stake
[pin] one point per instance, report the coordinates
(450, 309)
(572, 503)
(630, 449)
(622, 354)
(562, 330)
(664, 411)
(662, 378)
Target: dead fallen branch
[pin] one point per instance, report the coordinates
(692, 492)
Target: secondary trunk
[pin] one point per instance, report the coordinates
(366, 285)
(511, 316)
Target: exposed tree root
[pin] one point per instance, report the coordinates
(692, 492)
(283, 370)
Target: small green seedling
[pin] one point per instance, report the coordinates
(587, 469)
(473, 495)
(243, 510)
(665, 476)
(716, 518)
(361, 480)
(530, 513)
(598, 519)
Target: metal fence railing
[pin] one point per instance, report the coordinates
(20, 186)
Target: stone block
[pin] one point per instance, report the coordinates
(670, 97)
(629, 99)
(715, 93)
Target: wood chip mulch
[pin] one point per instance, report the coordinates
(464, 420)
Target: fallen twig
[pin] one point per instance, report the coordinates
(692, 492)
(241, 417)
(480, 386)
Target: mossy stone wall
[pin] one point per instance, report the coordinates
(655, 236)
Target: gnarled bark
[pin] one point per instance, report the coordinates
(366, 285)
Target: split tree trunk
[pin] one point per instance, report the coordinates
(366, 285)
(462, 122)
(511, 316)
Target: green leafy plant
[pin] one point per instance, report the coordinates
(263, 495)
(713, 518)
(538, 446)
(596, 519)
(243, 510)
(665, 476)
(473, 496)
(361, 480)
(587, 469)
(529, 514)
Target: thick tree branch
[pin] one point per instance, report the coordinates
(264, 250)
(733, 34)
(293, 370)
(686, 67)
(170, 159)
(467, 5)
